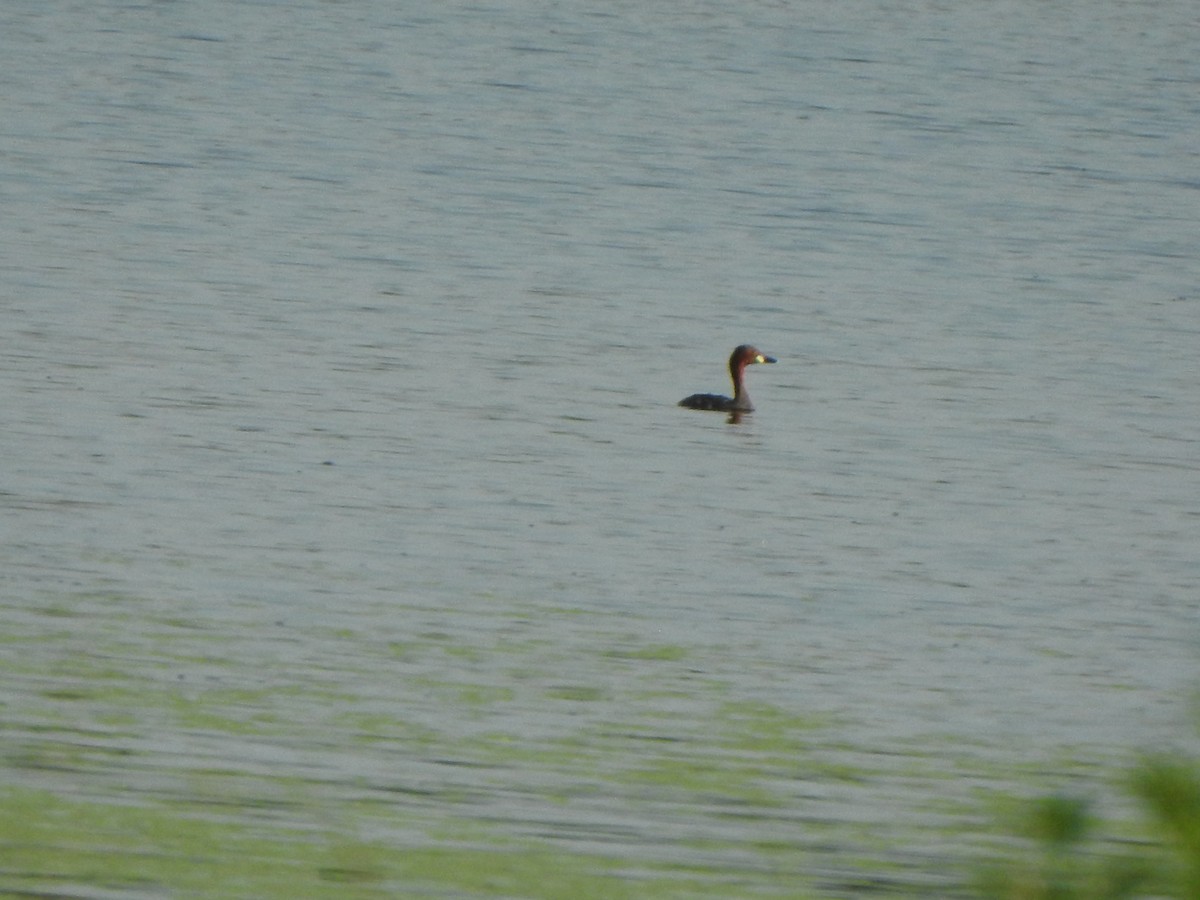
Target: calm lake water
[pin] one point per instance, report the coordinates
(345, 493)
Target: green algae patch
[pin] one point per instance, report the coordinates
(580, 692)
(655, 652)
(54, 845)
(381, 728)
(503, 873)
(764, 728)
(482, 752)
(717, 780)
(484, 694)
(115, 847)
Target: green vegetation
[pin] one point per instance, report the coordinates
(1069, 856)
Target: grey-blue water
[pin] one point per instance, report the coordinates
(331, 328)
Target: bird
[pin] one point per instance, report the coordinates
(742, 356)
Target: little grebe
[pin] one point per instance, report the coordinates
(743, 356)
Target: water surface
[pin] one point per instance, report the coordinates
(346, 500)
